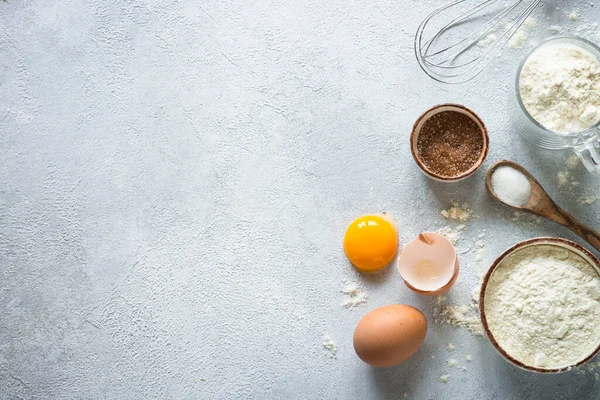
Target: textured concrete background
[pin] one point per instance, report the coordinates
(175, 181)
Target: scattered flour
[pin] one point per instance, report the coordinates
(481, 252)
(469, 358)
(330, 346)
(588, 198)
(531, 220)
(588, 30)
(450, 347)
(562, 177)
(529, 23)
(566, 176)
(460, 213)
(519, 38)
(573, 15)
(542, 306)
(489, 39)
(555, 29)
(451, 363)
(444, 378)
(355, 296)
(463, 315)
(572, 162)
(453, 235)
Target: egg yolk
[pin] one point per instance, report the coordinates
(370, 243)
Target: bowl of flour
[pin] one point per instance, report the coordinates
(558, 91)
(540, 305)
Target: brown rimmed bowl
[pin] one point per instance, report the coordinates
(417, 130)
(552, 241)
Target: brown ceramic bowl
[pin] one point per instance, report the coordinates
(554, 241)
(417, 130)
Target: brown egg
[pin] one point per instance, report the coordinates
(389, 335)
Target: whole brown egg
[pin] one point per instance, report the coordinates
(389, 335)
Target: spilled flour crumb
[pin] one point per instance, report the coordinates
(519, 38)
(562, 177)
(480, 255)
(573, 15)
(453, 235)
(587, 199)
(488, 40)
(572, 161)
(450, 347)
(461, 315)
(451, 363)
(469, 358)
(458, 213)
(529, 23)
(329, 345)
(444, 378)
(555, 29)
(566, 177)
(529, 219)
(355, 296)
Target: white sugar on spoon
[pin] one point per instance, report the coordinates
(511, 186)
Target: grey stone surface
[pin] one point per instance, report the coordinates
(176, 178)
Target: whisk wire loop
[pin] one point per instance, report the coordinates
(453, 63)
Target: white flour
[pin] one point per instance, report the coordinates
(542, 306)
(560, 87)
(458, 213)
(355, 295)
(329, 345)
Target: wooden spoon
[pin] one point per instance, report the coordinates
(541, 204)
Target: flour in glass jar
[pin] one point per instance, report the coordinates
(450, 143)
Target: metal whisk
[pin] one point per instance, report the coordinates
(458, 40)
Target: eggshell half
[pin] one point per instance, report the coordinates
(389, 335)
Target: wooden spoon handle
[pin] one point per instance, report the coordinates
(578, 227)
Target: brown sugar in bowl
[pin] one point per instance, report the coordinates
(462, 153)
